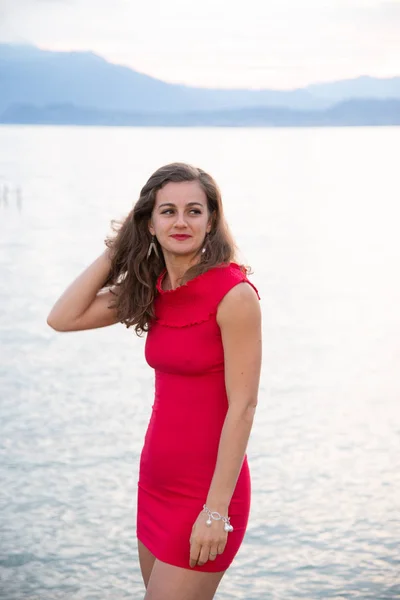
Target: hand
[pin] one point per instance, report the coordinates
(206, 542)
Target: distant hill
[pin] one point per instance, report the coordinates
(348, 113)
(362, 87)
(83, 79)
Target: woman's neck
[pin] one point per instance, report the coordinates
(176, 268)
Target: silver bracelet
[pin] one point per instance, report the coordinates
(217, 517)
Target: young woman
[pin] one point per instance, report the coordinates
(170, 271)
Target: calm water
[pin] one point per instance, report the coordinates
(316, 213)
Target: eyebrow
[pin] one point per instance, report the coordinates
(188, 204)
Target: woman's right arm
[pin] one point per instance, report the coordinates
(82, 305)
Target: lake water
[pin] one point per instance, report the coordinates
(316, 213)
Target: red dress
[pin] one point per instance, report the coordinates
(178, 459)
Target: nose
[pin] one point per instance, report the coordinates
(180, 220)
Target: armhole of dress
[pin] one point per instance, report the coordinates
(252, 285)
(233, 284)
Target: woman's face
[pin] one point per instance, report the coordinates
(180, 218)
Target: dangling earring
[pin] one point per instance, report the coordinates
(152, 247)
(204, 248)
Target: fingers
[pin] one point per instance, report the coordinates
(200, 554)
(204, 554)
(221, 547)
(213, 553)
(194, 553)
(205, 547)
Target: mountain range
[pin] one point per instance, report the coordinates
(40, 86)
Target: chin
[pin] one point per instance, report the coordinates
(188, 251)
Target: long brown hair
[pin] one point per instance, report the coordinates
(132, 273)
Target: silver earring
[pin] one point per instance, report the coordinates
(152, 247)
(204, 248)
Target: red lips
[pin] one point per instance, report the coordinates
(181, 237)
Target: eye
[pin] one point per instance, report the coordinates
(166, 211)
(196, 211)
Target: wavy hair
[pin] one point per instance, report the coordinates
(133, 276)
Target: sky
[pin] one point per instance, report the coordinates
(254, 44)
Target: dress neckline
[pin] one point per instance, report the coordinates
(161, 277)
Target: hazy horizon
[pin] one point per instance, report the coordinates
(361, 76)
(281, 45)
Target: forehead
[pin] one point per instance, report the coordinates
(181, 193)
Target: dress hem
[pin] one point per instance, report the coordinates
(205, 568)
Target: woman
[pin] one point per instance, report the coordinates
(169, 271)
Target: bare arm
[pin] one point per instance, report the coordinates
(82, 305)
(239, 318)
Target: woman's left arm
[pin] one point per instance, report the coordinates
(239, 318)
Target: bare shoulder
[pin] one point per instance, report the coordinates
(239, 306)
(239, 319)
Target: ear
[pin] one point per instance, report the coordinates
(151, 228)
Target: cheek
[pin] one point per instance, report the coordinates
(201, 224)
(157, 224)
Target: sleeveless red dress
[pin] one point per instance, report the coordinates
(178, 459)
